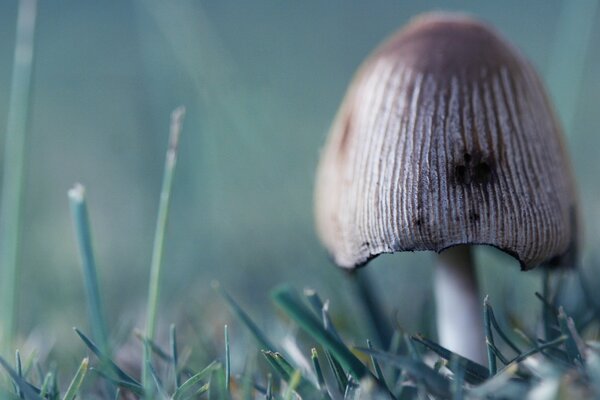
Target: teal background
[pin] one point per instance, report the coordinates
(261, 81)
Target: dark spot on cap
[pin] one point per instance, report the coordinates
(467, 157)
(473, 216)
(482, 172)
(460, 172)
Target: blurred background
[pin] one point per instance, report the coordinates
(261, 81)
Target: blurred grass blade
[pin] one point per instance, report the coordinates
(549, 312)
(13, 168)
(372, 307)
(378, 371)
(489, 337)
(185, 390)
(258, 335)
(157, 382)
(28, 392)
(420, 371)
(292, 385)
(474, 372)
(457, 388)
(294, 308)
(321, 311)
(286, 371)
(227, 359)
(269, 393)
(174, 355)
(574, 344)
(46, 385)
(107, 361)
(77, 380)
(19, 372)
(159, 234)
(503, 335)
(81, 223)
(135, 388)
(318, 371)
(216, 388)
(559, 340)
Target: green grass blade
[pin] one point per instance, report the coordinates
(13, 168)
(320, 309)
(293, 307)
(269, 393)
(106, 361)
(373, 309)
(292, 385)
(521, 357)
(257, 333)
(286, 371)
(19, 372)
(159, 234)
(77, 380)
(174, 355)
(184, 391)
(456, 386)
(27, 391)
(574, 344)
(489, 337)
(420, 371)
(503, 335)
(378, 371)
(46, 385)
(119, 383)
(81, 223)
(227, 359)
(338, 372)
(318, 371)
(475, 373)
(216, 388)
(160, 389)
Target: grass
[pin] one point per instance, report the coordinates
(322, 361)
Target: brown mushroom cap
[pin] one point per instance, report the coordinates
(446, 136)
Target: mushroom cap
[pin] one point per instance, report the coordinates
(445, 137)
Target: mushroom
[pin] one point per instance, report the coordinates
(446, 139)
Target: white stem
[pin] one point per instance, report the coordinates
(459, 308)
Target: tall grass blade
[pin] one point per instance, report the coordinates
(79, 213)
(77, 380)
(13, 177)
(159, 234)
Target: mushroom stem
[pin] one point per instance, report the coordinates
(459, 310)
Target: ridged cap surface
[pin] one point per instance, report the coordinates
(446, 137)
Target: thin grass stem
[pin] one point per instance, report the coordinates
(81, 223)
(159, 236)
(14, 165)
